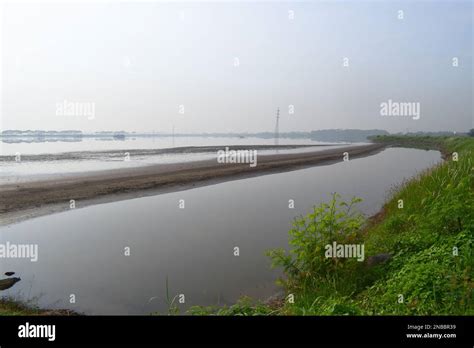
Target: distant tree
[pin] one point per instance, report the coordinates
(471, 132)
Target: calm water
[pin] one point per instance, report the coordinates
(81, 252)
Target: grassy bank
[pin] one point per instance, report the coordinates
(418, 248)
(447, 145)
(10, 307)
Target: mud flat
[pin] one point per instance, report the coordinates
(31, 199)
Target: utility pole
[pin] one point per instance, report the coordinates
(277, 126)
(172, 135)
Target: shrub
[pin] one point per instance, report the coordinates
(305, 265)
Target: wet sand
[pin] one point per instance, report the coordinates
(111, 154)
(26, 200)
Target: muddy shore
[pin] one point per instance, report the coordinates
(30, 199)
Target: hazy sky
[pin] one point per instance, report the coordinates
(139, 62)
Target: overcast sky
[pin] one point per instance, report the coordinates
(139, 62)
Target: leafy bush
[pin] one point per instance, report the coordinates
(305, 265)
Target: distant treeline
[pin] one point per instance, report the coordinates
(349, 135)
(325, 135)
(40, 133)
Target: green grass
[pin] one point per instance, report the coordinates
(447, 145)
(436, 220)
(430, 240)
(13, 307)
